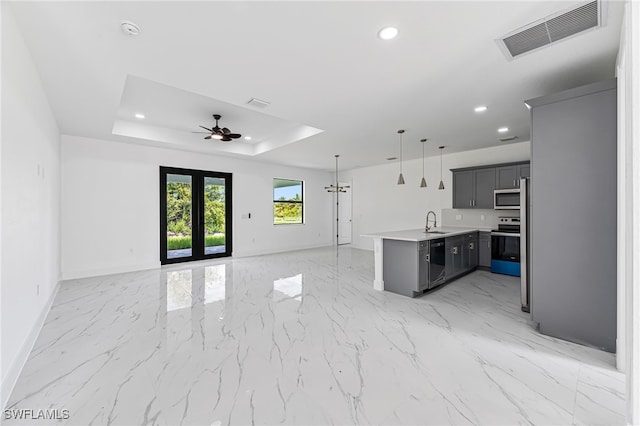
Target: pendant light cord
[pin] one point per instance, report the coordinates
(423, 159)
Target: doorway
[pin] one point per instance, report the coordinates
(195, 215)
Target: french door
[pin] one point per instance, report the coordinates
(195, 215)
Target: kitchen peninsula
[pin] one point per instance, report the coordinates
(410, 262)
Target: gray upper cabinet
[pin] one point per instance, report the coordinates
(484, 184)
(508, 177)
(473, 186)
(462, 189)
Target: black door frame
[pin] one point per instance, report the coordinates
(197, 211)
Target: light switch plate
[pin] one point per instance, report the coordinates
(458, 217)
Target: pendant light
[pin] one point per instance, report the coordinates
(441, 186)
(400, 178)
(423, 182)
(337, 188)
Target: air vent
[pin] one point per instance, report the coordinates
(551, 29)
(258, 103)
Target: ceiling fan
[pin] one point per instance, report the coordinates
(223, 134)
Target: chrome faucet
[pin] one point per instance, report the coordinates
(435, 221)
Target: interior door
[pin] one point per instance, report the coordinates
(195, 215)
(344, 215)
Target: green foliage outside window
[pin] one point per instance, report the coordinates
(287, 201)
(179, 215)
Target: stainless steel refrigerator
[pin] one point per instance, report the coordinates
(525, 267)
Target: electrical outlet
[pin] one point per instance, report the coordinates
(458, 217)
(482, 217)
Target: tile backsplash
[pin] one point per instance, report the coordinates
(475, 218)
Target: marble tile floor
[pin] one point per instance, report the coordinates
(302, 338)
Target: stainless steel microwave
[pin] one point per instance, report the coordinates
(506, 199)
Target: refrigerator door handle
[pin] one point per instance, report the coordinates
(524, 234)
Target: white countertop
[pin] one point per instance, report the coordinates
(419, 234)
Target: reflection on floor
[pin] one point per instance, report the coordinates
(302, 338)
(174, 254)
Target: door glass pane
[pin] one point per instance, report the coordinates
(214, 215)
(179, 216)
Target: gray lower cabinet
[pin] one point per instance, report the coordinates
(405, 267)
(484, 249)
(453, 259)
(470, 251)
(405, 264)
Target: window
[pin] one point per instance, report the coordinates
(287, 201)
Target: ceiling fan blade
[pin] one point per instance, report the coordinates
(208, 133)
(206, 128)
(208, 137)
(225, 138)
(233, 135)
(225, 130)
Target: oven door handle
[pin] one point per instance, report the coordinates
(504, 234)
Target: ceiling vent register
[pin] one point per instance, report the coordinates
(552, 29)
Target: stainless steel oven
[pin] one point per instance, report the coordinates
(505, 247)
(506, 199)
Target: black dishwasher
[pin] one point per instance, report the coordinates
(436, 262)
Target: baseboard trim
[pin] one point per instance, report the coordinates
(109, 271)
(11, 378)
(249, 253)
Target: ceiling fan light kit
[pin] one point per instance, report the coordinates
(223, 134)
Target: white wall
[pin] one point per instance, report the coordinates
(30, 203)
(379, 204)
(628, 70)
(110, 205)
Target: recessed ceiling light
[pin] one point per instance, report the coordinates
(503, 129)
(387, 33)
(248, 138)
(140, 116)
(481, 108)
